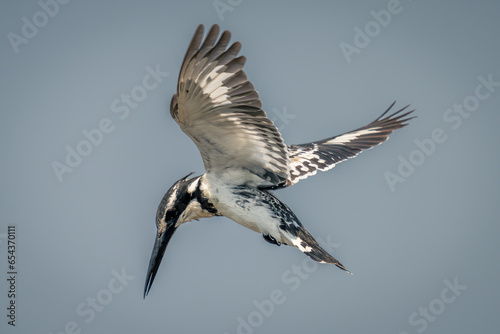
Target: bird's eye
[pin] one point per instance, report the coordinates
(169, 215)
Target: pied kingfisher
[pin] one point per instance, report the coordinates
(244, 154)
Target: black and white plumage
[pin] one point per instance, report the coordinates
(307, 159)
(244, 154)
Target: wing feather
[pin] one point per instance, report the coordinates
(219, 109)
(307, 159)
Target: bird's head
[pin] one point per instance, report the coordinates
(175, 208)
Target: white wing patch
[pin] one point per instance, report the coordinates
(351, 136)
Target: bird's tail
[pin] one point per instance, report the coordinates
(293, 233)
(306, 243)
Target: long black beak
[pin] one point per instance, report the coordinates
(158, 251)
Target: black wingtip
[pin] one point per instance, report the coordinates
(385, 112)
(398, 118)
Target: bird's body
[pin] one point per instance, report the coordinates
(257, 210)
(244, 155)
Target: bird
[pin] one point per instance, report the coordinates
(244, 155)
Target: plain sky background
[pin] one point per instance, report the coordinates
(440, 225)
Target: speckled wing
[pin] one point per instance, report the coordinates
(219, 109)
(307, 159)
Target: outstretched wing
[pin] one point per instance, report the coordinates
(307, 159)
(219, 109)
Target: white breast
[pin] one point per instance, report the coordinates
(248, 211)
